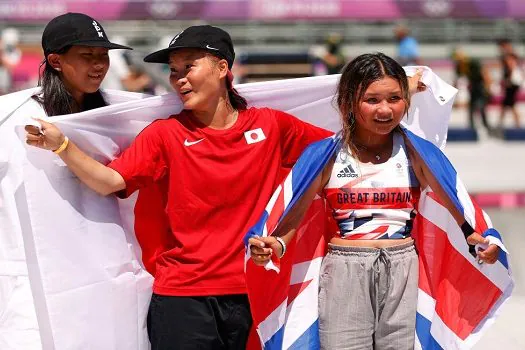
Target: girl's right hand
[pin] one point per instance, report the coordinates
(47, 137)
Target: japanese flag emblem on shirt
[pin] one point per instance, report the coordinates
(254, 136)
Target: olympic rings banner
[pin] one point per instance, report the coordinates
(27, 10)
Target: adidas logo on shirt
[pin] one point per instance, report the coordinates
(348, 171)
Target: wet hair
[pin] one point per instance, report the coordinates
(56, 99)
(356, 77)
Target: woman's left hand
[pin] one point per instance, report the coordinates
(489, 255)
(415, 84)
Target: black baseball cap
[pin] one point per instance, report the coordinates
(206, 37)
(75, 29)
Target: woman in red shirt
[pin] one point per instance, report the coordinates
(209, 161)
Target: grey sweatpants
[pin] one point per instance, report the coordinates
(368, 298)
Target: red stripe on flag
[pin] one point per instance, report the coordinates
(296, 289)
(481, 224)
(276, 212)
(267, 289)
(423, 233)
(311, 241)
(435, 197)
(455, 283)
(254, 342)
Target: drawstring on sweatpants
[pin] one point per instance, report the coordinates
(382, 256)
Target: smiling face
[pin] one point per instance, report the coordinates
(380, 109)
(372, 97)
(82, 68)
(197, 77)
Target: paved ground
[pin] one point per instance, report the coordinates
(490, 164)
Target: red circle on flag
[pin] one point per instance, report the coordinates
(254, 136)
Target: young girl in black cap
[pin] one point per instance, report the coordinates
(213, 162)
(76, 61)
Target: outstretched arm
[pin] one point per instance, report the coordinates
(425, 178)
(95, 175)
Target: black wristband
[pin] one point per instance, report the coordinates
(467, 231)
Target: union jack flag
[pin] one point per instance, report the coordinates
(458, 298)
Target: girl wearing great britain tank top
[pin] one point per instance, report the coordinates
(369, 278)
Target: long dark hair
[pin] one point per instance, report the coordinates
(236, 100)
(56, 99)
(356, 77)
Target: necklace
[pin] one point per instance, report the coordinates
(376, 154)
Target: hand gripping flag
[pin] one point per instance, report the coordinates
(457, 298)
